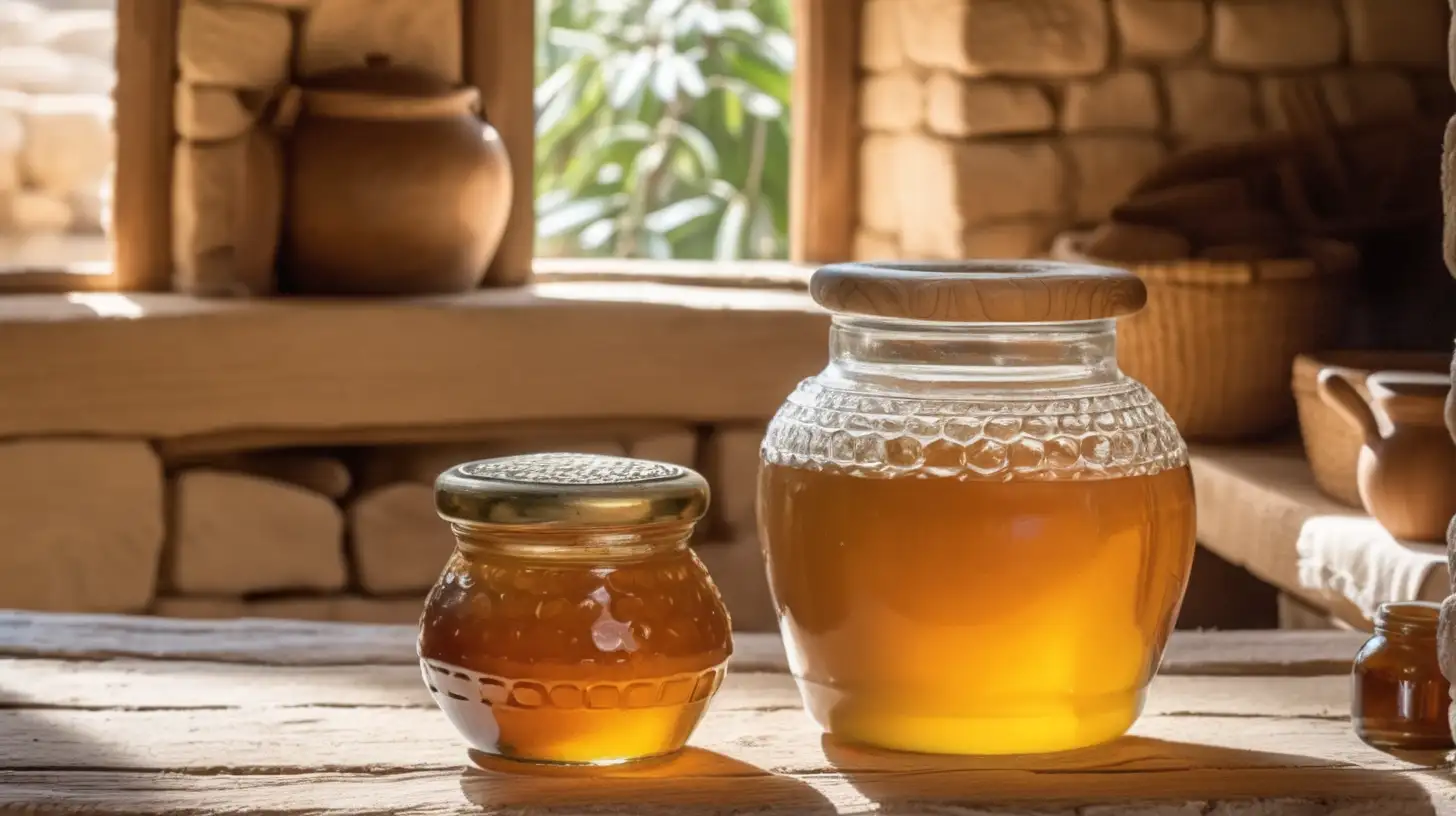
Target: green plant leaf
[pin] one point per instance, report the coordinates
(680, 213)
(726, 247)
(701, 147)
(574, 214)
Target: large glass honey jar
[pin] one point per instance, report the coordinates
(978, 529)
(572, 624)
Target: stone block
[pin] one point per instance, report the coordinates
(875, 246)
(82, 522)
(673, 447)
(12, 127)
(1448, 199)
(422, 464)
(1446, 638)
(233, 45)
(879, 179)
(399, 543)
(227, 200)
(321, 474)
(1352, 96)
(739, 571)
(961, 108)
(1021, 38)
(1209, 106)
(1008, 240)
(39, 70)
(892, 102)
(29, 212)
(80, 32)
(323, 608)
(68, 142)
(90, 210)
(1127, 100)
(210, 114)
(1267, 35)
(732, 471)
(20, 21)
(1107, 168)
(237, 534)
(9, 172)
(421, 34)
(881, 47)
(1398, 32)
(1160, 29)
(947, 187)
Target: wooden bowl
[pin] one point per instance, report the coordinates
(1331, 443)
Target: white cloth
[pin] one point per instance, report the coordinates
(1355, 557)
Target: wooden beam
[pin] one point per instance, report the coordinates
(499, 51)
(825, 139)
(168, 367)
(146, 36)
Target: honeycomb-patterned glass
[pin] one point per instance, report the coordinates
(968, 571)
(573, 661)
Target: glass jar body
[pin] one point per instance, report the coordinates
(978, 538)
(1399, 699)
(538, 657)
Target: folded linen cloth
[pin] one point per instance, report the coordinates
(1355, 557)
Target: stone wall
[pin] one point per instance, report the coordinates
(56, 145)
(339, 534)
(991, 125)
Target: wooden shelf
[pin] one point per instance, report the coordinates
(226, 374)
(1252, 503)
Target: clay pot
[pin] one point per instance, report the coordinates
(395, 186)
(1407, 469)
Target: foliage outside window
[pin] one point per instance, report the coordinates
(662, 128)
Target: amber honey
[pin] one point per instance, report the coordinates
(572, 624)
(1400, 699)
(976, 616)
(570, 663)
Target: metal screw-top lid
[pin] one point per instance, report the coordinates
(569, 490)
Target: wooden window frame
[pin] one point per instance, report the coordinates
(498, 52)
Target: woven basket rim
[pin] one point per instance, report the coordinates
(1205, 272)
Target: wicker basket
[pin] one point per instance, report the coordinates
(1217, 339)
(1331, 443)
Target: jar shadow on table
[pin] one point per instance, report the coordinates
(692, 777)
(1127, 769)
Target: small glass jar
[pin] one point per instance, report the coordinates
(978, 529)
(572, 623)
(1399, 699)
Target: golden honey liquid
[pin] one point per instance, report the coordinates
(976, 617)
(571, 662)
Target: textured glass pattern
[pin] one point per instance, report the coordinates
(1121, 431)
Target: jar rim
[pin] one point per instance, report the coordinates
(1408, 618)
(979, 291)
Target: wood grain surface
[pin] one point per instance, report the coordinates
(978, 292)
(154, 716)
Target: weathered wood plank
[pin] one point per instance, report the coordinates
(698, 354)
(299, 643)
(266, 641)
(704, 784)
(143, 684)
(780, 740)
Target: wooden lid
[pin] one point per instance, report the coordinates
(979, 291)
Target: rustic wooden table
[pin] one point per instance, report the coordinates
(153, 716)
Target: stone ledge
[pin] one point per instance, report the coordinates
(218, 375)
